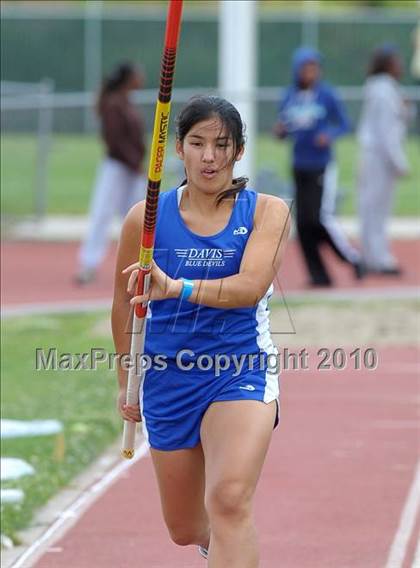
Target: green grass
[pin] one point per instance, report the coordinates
(276, 156)
(73, 161)
(83, 400)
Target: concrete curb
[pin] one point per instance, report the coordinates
(74, 228)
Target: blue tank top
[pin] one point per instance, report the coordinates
(173, 324)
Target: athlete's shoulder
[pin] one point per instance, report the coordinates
(266, 200)
(271, 209)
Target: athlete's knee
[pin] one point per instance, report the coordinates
(229, 498)
(182, 536)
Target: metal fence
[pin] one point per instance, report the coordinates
(32, 106)
(73, 46)
(66, 111)
(39, 113)
(76, 46)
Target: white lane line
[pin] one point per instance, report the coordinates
(88, 497)
(416, 561)
(398, 548)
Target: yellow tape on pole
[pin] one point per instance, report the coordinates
(160, 135)
(146, 256)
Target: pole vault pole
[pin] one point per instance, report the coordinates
(147, 239)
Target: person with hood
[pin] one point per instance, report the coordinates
(382, 158)
(312, 115)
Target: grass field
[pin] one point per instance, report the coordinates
(73, 161)
(82, 400)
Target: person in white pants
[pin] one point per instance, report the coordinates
(116, 190)
(120, 182)
(382, 158)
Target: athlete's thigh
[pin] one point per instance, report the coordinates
(235, 436)
(181, 479)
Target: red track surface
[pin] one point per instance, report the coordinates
(331, 494)
(49, 268)
(339, 468)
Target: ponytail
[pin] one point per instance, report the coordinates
(238, 185)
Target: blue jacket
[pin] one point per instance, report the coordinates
(308, 113)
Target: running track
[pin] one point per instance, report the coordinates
(331, 495)
(42, 272)
(338, 487)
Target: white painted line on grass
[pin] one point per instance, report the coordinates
(87, 498)
(349, 294)
(399, 546)
(65, 306)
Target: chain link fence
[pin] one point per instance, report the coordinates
(73, 47)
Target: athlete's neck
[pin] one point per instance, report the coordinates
(203, 203)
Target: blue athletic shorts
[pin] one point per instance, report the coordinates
(173, 402)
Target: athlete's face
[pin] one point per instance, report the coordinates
(208, 154)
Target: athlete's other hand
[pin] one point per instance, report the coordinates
(162, 286)
(129, 412)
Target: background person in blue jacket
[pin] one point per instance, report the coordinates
(312, 115)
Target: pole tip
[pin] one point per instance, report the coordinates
(128, 454)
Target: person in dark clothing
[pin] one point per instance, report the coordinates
(312, 115)
(120, 180)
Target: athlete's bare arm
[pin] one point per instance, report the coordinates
(260, 263)
(128, 250)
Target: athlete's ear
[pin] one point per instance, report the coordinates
(179, 149)
(240, 154)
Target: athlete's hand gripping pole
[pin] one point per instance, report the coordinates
(147, 240)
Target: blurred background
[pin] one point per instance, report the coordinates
(53, 57)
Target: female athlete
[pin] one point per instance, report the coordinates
(209, 400)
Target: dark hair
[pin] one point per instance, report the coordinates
(201, 108)
(382, 59)
(114, 81)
